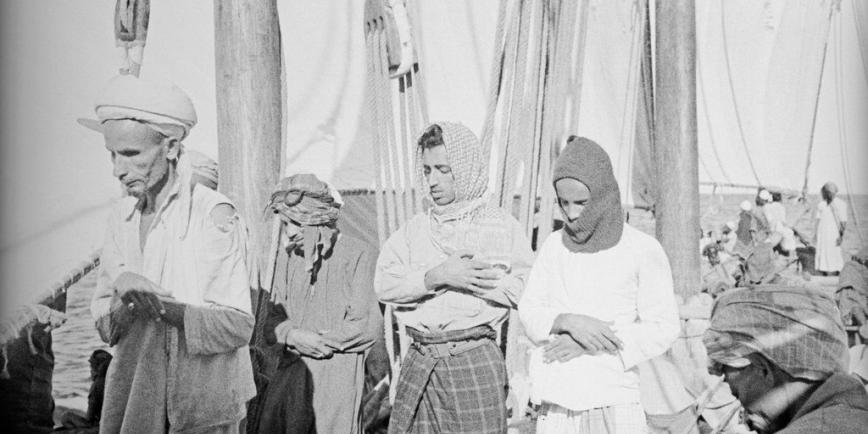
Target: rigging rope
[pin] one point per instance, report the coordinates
(732, 91)
(842, 129)
(816, 110)
(700, 86)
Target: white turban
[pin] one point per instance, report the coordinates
(162, 106)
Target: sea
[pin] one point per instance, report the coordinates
(77, 339)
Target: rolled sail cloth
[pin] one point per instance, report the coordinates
(798, 329)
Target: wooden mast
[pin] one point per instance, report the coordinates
(675, 139)
(249, 109)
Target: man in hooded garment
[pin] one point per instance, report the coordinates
(173, 290)
(783, 353)
(598, 302)
(324, 315)
(452, 274)
(831, 222)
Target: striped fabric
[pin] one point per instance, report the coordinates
(451, 385)
(616, 419)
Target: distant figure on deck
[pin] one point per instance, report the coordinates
(173, 291)
(324, 315)
(831, 223)
(599, 301)
(776, 215)
(783, 352)
(452, 275)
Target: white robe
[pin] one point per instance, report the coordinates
(829, 257)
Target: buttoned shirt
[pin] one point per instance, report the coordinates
(161, 378)
(400, 281)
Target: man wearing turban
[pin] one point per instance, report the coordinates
(599, 301)
(783, 352)
(324, 316)
(830, 225)
(452, 274)
(173, 294)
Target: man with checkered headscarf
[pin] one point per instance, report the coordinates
(323, 316)
(452, 274)
(783, 352)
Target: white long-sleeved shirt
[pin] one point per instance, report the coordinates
(630, 285)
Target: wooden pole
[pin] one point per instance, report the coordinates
(249, 110)
(675, 138)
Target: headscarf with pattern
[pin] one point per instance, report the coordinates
(469, 161)
(601, 223)
(312, 204)
(798, 329)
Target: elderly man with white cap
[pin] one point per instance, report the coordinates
(172, 293)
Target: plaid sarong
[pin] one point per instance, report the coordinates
(452, 382)
(614, 419)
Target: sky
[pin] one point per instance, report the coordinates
(57, 55)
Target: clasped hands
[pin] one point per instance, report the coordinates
(462, 272)
(576, 335)
(145, 299)
(306, 342)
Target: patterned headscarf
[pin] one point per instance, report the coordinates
(601, 223)
(469, 161)
(798, 329)
(310, 203)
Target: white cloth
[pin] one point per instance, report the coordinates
(163, 105)
(630, 285)
(616, 419)
(776, 215)
(829, 217)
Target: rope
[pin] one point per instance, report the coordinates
(700, 86)
(75, 275)
(861, 35)
(816, 111)
(628, 128)
(732, 91)
(842, 128)
(495, 85)
(371, 40)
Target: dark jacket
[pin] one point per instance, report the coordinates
(838, 406)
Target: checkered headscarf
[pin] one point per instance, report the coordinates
(469, 160)
(798, 329)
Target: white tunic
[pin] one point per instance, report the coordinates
(630, 285)
(829, 256)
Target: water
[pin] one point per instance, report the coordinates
(73, 343)
(77, 339)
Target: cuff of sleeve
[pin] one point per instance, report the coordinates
(539, 328)
(193, 319)
(629, 354)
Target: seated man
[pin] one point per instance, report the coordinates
(783, 353)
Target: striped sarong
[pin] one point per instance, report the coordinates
(452, 382)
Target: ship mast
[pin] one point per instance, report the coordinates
(675, 140)
(249, 109)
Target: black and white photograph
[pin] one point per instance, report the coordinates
(434, 216)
